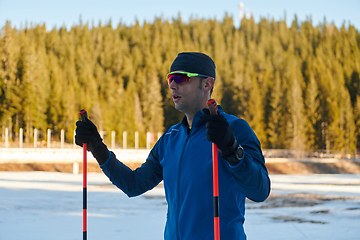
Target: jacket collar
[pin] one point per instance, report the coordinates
(196, 121)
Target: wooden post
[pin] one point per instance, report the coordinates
(35, 138)
(75, 168)
(62, 138)
(136, 140)
(148, 137)
(113, 139)
(6, 137)
(48, 138)
(124, 140)
(21, 137)
(74, 139)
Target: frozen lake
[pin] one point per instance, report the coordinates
(47, 205)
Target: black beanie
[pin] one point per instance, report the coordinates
(194, 62)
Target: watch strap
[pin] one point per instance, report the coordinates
(237, 156)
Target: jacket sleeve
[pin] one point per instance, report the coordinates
(251, 173)
(134, 182)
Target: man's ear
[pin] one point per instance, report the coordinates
(209, 84)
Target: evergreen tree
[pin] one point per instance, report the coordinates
(298, 122)
(357, 123)
(10, 101)
(298, 86)
(312, 106)
(274, 121)
(152, 102)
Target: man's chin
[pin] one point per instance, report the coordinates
(178, 107)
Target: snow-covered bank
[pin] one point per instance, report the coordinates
(47, 205)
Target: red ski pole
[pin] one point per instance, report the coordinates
(83, 115)
(213, 110)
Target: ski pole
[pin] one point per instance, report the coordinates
(83, 115)
(213, 110)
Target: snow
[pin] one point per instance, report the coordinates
(46, 205)
(336, 214)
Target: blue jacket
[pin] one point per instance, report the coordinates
(182, 158)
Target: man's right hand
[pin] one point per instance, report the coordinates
(86, 132)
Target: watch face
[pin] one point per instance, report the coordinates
(240, 152)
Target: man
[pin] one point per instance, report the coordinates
(182, 158)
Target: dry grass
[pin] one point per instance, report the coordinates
(273, 168)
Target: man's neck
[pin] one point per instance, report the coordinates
(189, 118)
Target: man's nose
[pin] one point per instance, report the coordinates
(173, 85)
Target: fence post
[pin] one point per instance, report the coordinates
(6, 137)
(113, 139)
(136, 140)
(124, 140)
(148, 137)
(35, 138)
(48, 138)
(62, 138)
(75, 168)
(21, 137)
(74, 138)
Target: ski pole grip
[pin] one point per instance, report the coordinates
(83, 115)
(212, 106)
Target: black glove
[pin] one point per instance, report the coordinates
(86, 132)
(220, 133)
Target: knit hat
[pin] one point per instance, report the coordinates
(194, 62)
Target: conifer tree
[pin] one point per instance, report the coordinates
(152, 102)
(298, 117)
(312, 106)
(296, 86)
(357, 123)
(10, 101)
(274, 121)
(55, 110)
(129, 111)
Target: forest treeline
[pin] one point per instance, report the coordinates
(297, 86)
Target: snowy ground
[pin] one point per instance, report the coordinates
(44, 205)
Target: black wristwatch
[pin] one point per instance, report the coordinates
(237, 156)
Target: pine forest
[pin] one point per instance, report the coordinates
(297, 86)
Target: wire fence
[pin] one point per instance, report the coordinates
(48, 141)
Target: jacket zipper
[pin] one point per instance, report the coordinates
(178, 186)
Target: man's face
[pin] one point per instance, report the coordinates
(187, 96)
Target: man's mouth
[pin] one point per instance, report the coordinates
(176, 97)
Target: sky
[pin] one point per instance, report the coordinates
(55, 14)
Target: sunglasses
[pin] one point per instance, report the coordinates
(180, 77)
